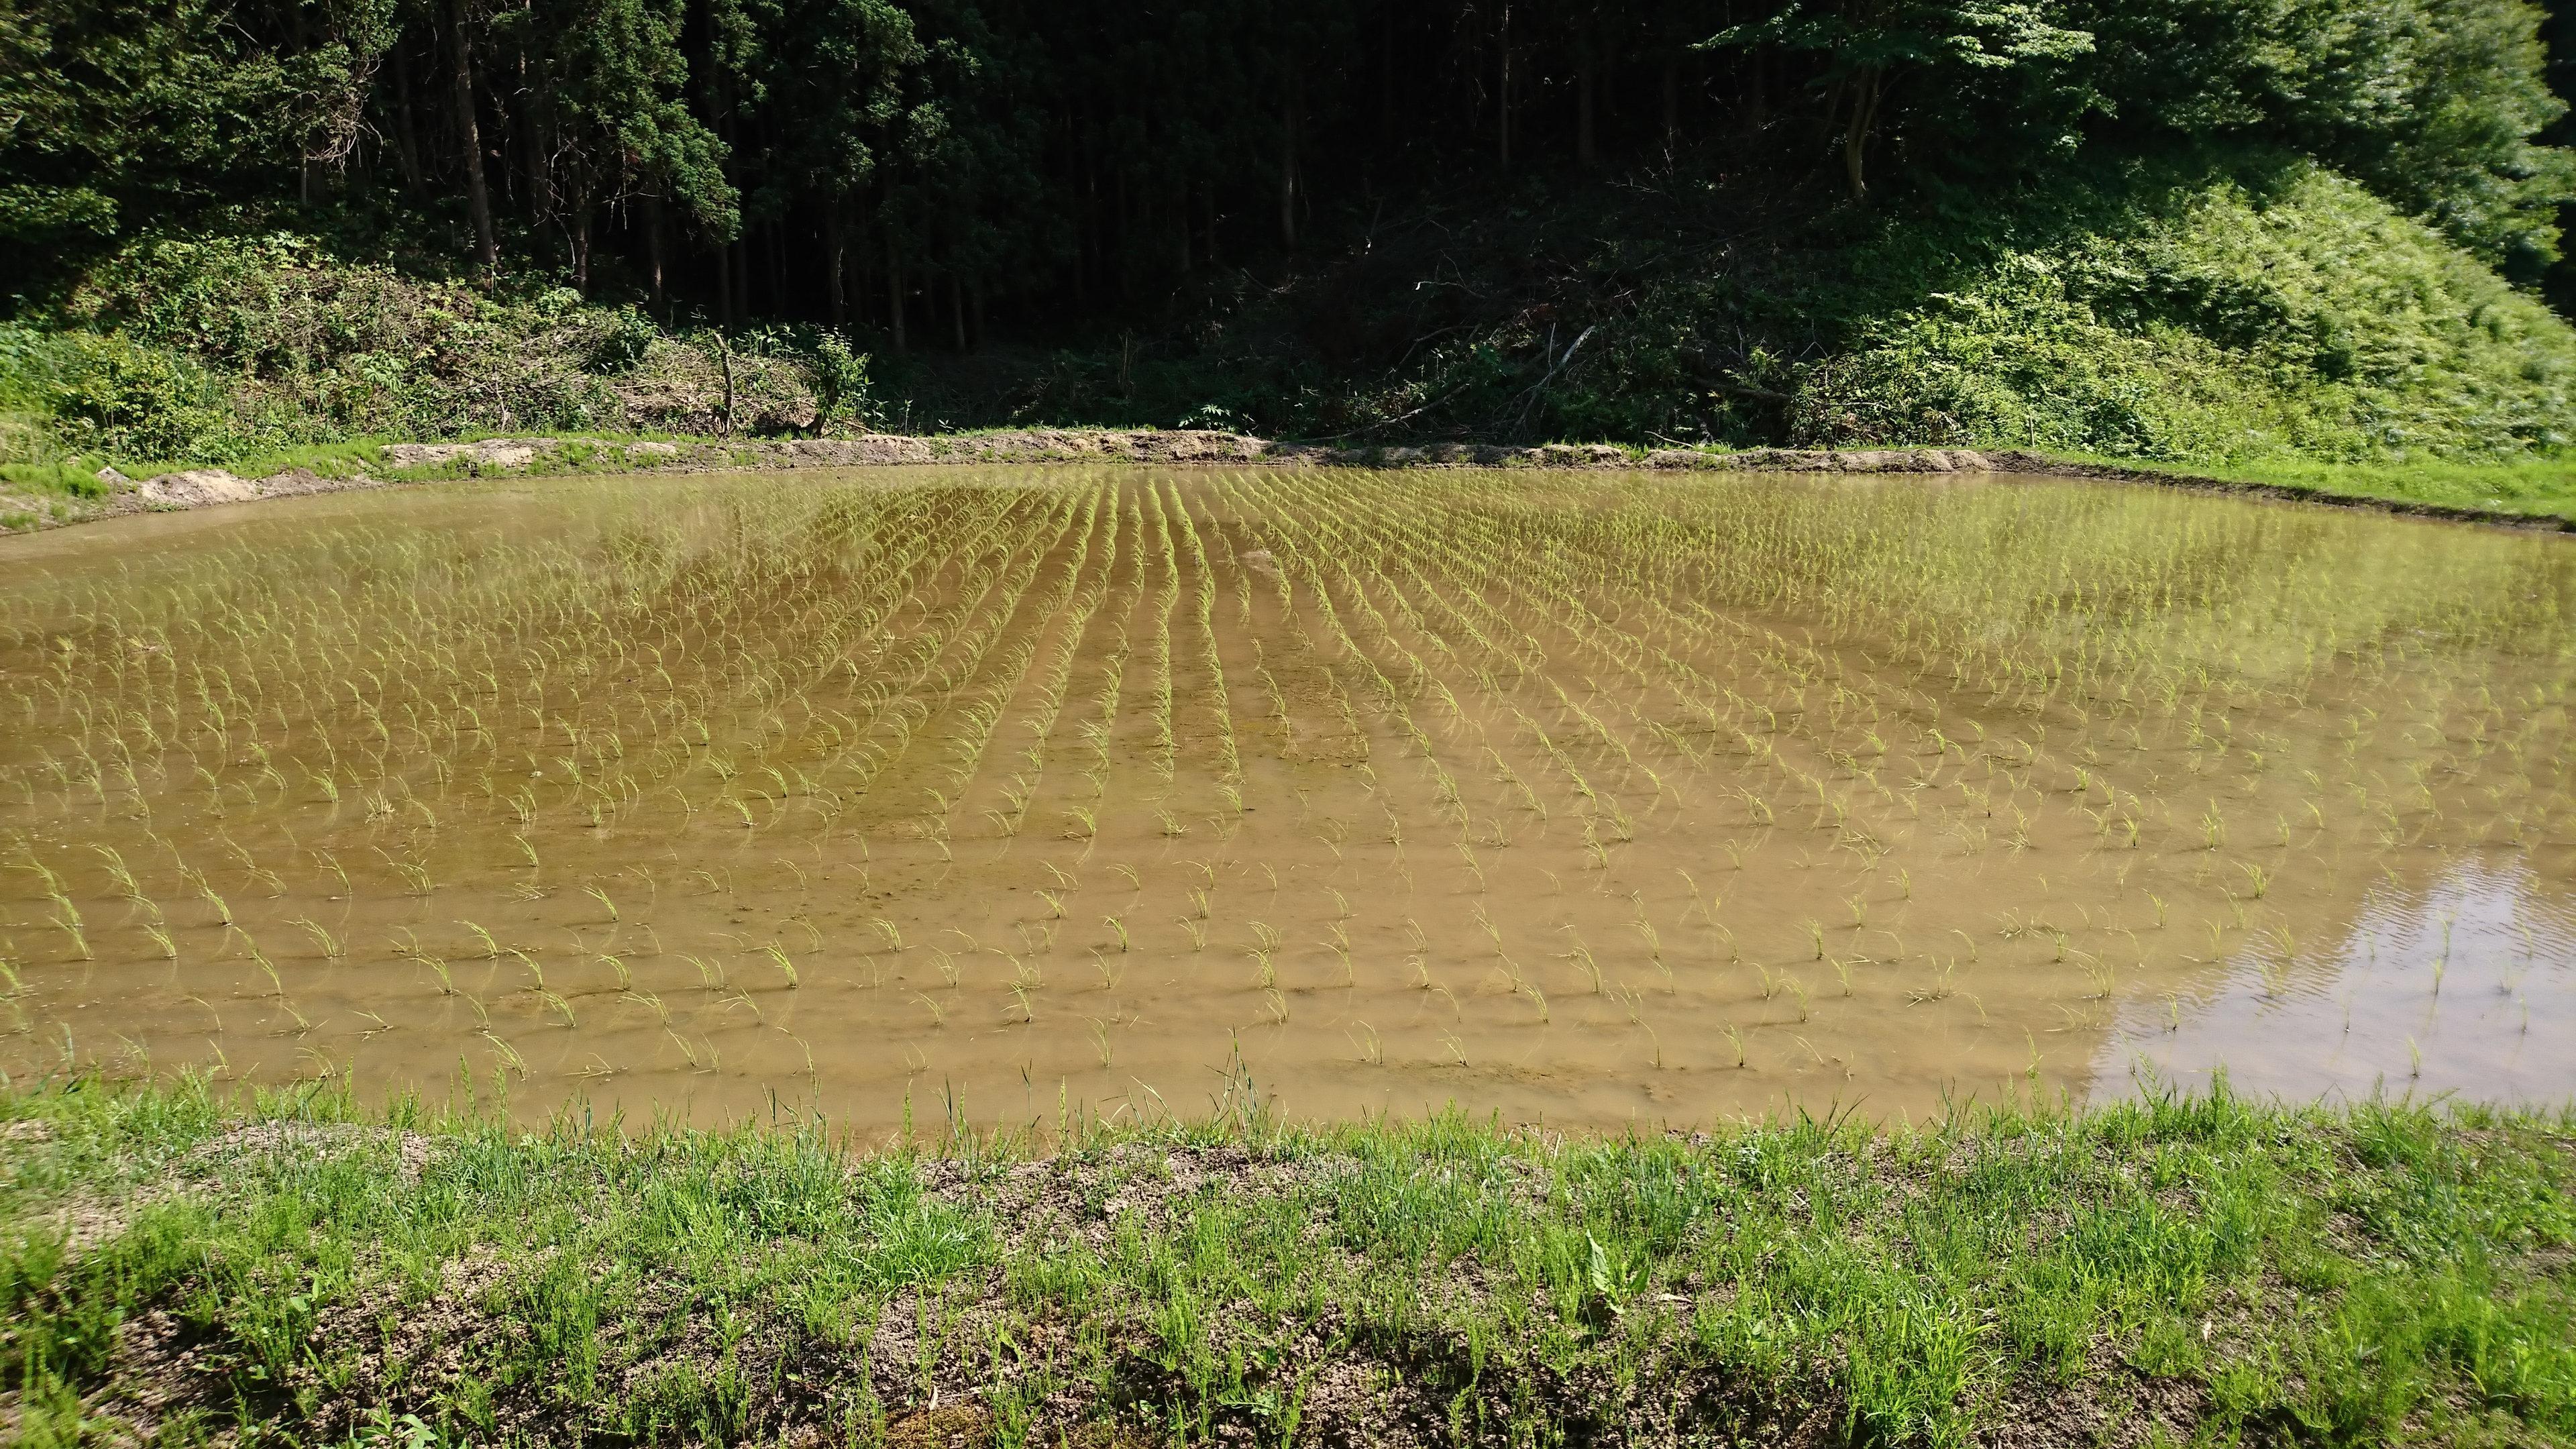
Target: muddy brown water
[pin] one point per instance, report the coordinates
(1587, 799)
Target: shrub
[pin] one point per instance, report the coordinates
(2223, 324)
(212, 348)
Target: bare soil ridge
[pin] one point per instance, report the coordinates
(417, 462)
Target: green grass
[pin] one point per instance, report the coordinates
(76, 475)
(2540, 487)
(2182, 1268)
(2533, 486)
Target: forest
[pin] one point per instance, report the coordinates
(1629, 219)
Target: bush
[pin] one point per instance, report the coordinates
(2223, 324)
(109, 393)
(210, 349)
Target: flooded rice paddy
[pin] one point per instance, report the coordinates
(1591, 799)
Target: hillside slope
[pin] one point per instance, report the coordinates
(2312, 322)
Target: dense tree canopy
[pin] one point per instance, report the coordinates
(918, 166)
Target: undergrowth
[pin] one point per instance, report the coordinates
(220, 349)
(2181, 1267)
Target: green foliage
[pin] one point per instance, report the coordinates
(2218, 324)
(840, 382)
(219, 349)
(1963, 75)
(622, 343)
(2432, 103)
(612, 80)
(2460, 152)
(109, 394)
(841, 70)
(123, 114)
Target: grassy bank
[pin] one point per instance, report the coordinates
(2538, 487)
(2203, 1269)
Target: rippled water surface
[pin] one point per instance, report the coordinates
(1584, 798)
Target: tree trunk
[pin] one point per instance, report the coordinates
(1288, 164)
(406, 138)
(1386, 76)
(304, 162)
(832, 245)
(1087, 228)
(863, 260)
(542, 202)
(778, 269)
(469, 138)
(1583, 148)
(579, 232)
(1118, 199)
(894, 289)
(724, 287)
(1864, 114)
(724, 359)
(1503, 128)
(653, 247)
(957, 309)
(1672, 104)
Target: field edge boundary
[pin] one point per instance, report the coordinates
(576, 456)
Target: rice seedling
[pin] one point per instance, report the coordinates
(1630, 676)
(332, 947)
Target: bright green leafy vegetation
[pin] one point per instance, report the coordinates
(2216, 324)
(2174, 1269)
(227, 349)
